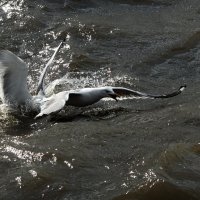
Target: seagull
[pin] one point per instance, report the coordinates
(14, 89)
(88, 96)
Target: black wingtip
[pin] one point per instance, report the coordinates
(63, 41)
(182, 87)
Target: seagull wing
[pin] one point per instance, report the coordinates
(40, 88)
(53, 104)
(122, 92)
(13, 79)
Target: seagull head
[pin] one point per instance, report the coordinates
(110, 93)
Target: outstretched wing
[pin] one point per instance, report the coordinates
(120, 92)
(53, 104)
(40, 88)
(13, 79)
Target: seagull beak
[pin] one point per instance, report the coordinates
(114, 96)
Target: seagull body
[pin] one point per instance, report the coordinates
(14, 90)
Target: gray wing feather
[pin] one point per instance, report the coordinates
(13, 79)
(120, 91)
(53, 104)
(128, 92)
(40, 88)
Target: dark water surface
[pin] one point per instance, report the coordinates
(130, 150)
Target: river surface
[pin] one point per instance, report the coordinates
(128, 150)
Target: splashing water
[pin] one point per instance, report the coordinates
(78, 80)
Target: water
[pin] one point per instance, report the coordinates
(133, 149)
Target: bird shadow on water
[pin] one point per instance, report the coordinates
(21, 125)
(88, 114)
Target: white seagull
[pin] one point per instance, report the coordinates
(14, 90)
